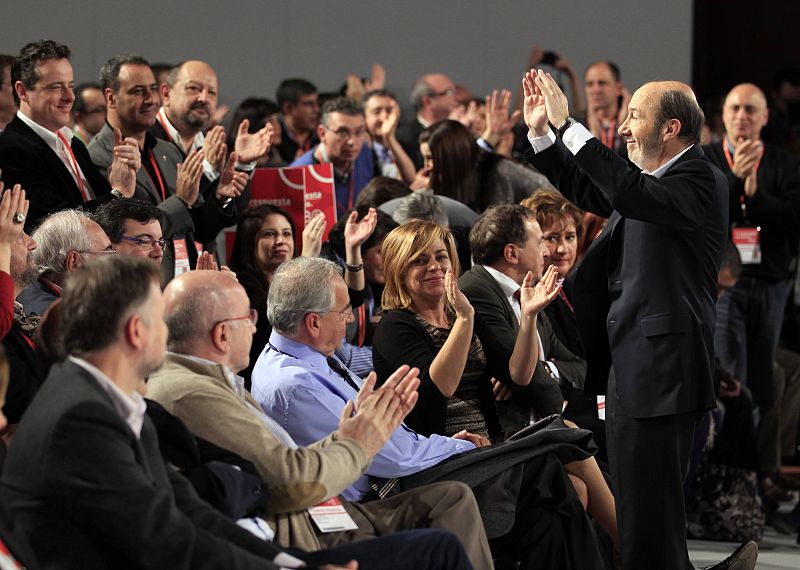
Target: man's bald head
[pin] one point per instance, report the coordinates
(190, 95)
(744, 112)
(194, 301)
(434, 96)
(675, 100)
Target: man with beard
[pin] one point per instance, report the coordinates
(189, 101)
(167, 179)
(646, 291)
(343, 142)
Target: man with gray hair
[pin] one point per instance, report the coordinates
(421, 206)
(64, 241)
(211, 327)
(434, 98)
(343, 143)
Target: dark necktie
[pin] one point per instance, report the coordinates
(339, 369)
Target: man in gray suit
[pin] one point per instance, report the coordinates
(166, 179)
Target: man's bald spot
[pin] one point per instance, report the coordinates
(186, 68)
(211, 288)
(749, 91)
(661, 87)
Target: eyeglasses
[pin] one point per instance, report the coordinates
(144, 243)
(253, 317)
(449, 92)
(347, 313)
(345, 134)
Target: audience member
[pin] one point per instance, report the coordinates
(38, 149)
(421, 206)
(342, 133)
(433, 97)
(210, 327)
(133, 228)
(64, 241)
(382, 114)
(166, 179)
(304, 387)
(463, 171)
(7, 107)
(13, 208)
(88, 111)
(606, 104)
(161, 72)
(259, 112)
(299, 104)
(380, 190)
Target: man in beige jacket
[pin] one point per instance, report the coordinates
(210, 333)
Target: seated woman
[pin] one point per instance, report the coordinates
(431, 325)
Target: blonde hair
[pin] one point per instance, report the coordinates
(402, 246)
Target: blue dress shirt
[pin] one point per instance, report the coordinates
(296, 387)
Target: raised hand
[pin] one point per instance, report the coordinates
(745, 157)
(498, 120)
(356, 233)
(378, 78)
(206, 262)
(457, 299)
(190, 171)
(231, 183)
(534, 298)
(533, 110)
(312, 235)
(252, 147)
(214, 147)
(219, 114)
(465, 115)
(555, 101)
(389, 126)
(379, 412)
(125, 164)
(12, 204)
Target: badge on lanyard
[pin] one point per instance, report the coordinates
(601, 407)
(330, 516)
(748, 242)
(181, 256)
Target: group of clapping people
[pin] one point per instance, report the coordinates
(407, 393)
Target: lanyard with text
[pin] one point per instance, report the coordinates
(158, 176)
(746, 239)
(76, 171)
(608, 134)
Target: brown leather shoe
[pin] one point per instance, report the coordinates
(743, 558)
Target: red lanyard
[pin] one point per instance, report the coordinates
(362, 324)
(564, 297)
(608, 135)
(729, 158)
(75, 169)
(164, 125)
(158, 177)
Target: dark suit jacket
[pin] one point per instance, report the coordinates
(408, 137)
(89, 494)
(645, 290)
(202, 222)
(490, 302)
(26, 159)
(26, 374)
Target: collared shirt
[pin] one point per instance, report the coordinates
(130, 407)
(296, 387)
(57, 145)
(237, 383)
(577, 135)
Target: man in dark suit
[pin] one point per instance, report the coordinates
(166, 179)
(38, 149)
(506, 243)
(645, 290)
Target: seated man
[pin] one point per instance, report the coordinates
(85, 479)
(304, 387)
(133, 228)
(343, 142)
(211, 327)
(64, 241)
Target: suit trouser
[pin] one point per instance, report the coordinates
(649, 458)
(448, 505)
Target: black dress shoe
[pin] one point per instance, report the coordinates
(743, 558)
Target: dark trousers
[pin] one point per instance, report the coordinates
(649, 458)
(420, 549)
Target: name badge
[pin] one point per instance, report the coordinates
(330, 516)
(748, 242)
(181, 256)
(601, 407)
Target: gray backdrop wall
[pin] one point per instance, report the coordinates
(254, 44)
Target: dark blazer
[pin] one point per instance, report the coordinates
(490, 302)
(408, 137)
(645, 290)
(89, 494)
(202, 222)
(27, 160)
(26, 374)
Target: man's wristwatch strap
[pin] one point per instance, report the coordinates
(563, 128)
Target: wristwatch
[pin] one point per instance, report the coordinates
(563, 128)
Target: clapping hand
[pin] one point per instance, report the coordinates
(214, 148)
(534, 110)
(543, 96)
(534, 298)
(231, 183)
(252, 147)
(12, 205)
(125, 164)
(312, 235)
(498, 120)
(356, 233)
(190, 171)
(457, 299)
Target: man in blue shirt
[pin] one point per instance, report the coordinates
(343, 142)
(300, 384)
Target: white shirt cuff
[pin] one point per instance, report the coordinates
(575, 137)
(484, 144)
(210, 172)
(553, 369)
(245, 166)
(542, 143)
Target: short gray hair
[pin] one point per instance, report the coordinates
(59, 234)
(421, 206)
(420, 89)
(193, 314)
(300, 286)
